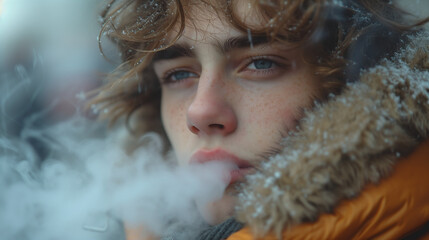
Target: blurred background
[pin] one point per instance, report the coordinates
(49, 57)
(49, 54)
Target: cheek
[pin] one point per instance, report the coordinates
(263, 121)
(276, 111)
(272, 110)
(173, 119)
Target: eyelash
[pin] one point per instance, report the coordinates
(169, 74)
(252, 60)
(276, 64)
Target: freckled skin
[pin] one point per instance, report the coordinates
(253, 110)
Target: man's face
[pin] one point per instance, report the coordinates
(227, 96)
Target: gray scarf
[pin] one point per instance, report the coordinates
(217, 232)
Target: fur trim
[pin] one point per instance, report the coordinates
(347, 142)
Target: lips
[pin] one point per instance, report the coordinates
(239, 167)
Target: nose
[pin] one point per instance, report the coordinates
(210, 113)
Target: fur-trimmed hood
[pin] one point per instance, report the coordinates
(343, 144)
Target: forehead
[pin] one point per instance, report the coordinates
(209, 23)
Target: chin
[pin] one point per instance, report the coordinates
(220, 210)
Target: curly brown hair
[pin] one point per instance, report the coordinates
(339, 38)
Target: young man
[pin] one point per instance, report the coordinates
(263, 85)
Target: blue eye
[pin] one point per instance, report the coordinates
(261, 64)
(180, 75)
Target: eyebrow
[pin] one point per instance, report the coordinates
(175, 51)
(243, 42)
(185, 50)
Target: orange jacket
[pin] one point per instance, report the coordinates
(392, 209)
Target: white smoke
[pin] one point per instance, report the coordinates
(88, 181)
